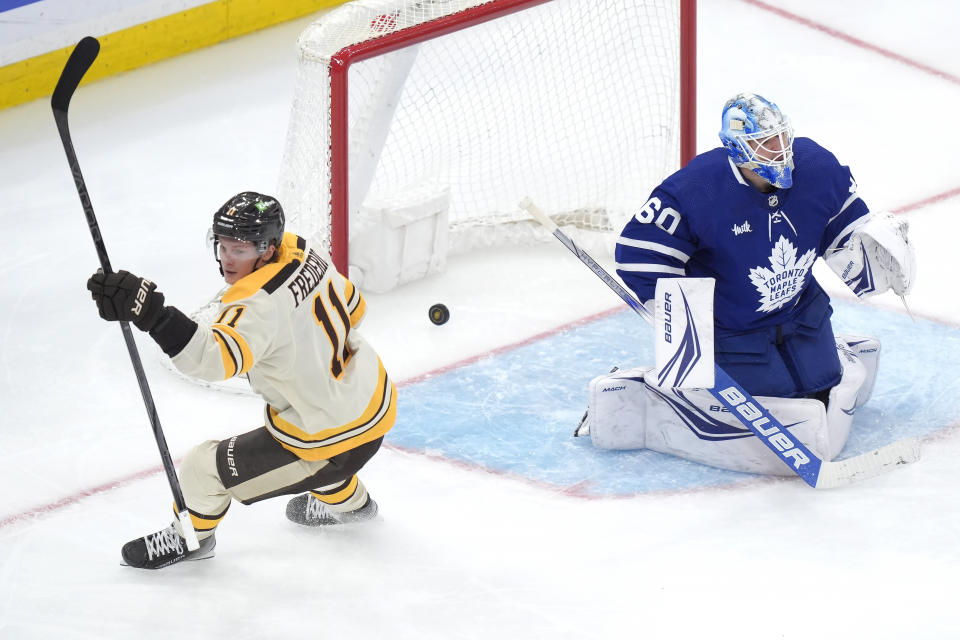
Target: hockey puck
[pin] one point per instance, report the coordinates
(439, 313)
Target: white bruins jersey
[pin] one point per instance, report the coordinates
(289, 327)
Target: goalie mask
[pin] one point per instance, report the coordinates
(248, 217)
(759, 137)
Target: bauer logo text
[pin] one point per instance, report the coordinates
(142, 294)
(771, 432)
(230, 461)
(667, 319)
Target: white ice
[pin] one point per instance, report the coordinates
(459, 553)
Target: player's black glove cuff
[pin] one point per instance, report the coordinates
(173, 331)
(124, 296)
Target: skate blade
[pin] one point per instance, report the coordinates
(205, 556)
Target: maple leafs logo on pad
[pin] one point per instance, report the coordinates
(782, 282)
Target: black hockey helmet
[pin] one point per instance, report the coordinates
(250, 217)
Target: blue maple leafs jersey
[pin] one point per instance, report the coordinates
(706, 220)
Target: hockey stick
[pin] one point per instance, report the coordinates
(818, 473)
(77, 65)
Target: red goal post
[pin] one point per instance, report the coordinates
(393, 95)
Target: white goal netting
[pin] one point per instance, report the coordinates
(575, 103)
(404, 106)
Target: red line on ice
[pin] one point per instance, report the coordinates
(846, 37)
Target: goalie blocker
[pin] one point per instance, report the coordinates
(627, 410)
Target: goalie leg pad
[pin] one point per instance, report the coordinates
(867, 350)
(626, 411)
(852, 391)
(693, 425)
(616, 409)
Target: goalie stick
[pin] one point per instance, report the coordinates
(818, 473)
(77, 65)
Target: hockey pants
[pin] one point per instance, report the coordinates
(253, 466)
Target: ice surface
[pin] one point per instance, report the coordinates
(495, 521)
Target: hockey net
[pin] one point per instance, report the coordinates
(468, 106)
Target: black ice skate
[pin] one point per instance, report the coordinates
(307, 510)
(163, 548)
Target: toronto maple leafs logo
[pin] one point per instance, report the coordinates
(782, 282)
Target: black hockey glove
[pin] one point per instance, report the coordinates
(124, 296)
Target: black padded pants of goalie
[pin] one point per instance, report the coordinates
(254, 467)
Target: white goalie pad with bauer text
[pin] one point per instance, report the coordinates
(683, 333)
(628, 411)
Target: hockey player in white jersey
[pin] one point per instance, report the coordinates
(754, 215)
(288, 324)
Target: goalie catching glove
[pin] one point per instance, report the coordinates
(878, 256)
(124, 296)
